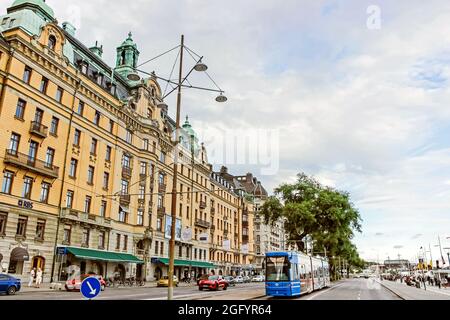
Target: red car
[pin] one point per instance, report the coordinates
(213, 283)
(75, 284)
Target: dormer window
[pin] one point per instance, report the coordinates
(99, 79)
(52, 42)
(83, 67)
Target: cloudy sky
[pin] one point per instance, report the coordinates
(360, 103)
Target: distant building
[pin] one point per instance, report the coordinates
(396, 264)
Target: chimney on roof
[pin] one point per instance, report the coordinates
(224, 169)
(97, 50)
(249, 177)
(69, 28)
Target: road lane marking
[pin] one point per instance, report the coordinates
(322, 292)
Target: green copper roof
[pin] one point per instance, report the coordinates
(188, 128)
(36, 3)
(129, 41)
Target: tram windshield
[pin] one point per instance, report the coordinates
(277, 268)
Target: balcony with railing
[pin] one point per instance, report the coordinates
(82, 217)
(202, 205)
(24, 161)
(38, 129)
(202, 223)
(161, 187)
(126, 172)
(212, 227)
(245, 223)
(212, 211)
(245, 238)
(125, 199)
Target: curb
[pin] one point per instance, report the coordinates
(257, 297)
(389, 289)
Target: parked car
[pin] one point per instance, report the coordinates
(213, 283)
(247, 279)
(239, 279)
(75, 284)
(258, 278)
(202, 277)
(164, 281)
(9, 284)
(231, 281)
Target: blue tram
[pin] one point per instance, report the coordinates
(295, 273)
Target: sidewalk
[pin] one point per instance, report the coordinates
(47, 287)
(412, 293)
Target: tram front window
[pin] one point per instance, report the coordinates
(277, 269)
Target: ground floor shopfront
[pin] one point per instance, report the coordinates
(182, 268)
(73, 261)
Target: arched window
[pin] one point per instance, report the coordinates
(122, 60)
(52, 42)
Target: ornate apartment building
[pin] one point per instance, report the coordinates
(86, 158)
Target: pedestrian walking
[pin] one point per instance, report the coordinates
(38, 278)
(438, 282)
(32, 276)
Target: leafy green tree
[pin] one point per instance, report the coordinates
(323, 213)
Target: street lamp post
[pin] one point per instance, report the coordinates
(201, 67)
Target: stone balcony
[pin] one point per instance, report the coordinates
(79, 216)
(126, 172)
(38, 129)
(202, 205)
(25, 162)
(161, 188)
(202, 223)
(125, 199)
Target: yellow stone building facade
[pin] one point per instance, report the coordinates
(87, 159)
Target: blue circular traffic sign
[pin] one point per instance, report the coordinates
(90, 287)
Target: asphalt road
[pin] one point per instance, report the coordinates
(352, 289)
(240, 291)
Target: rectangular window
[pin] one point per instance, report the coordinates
(126, 161)
(125, 242)
(77, 138)
(129, 137)
(27, 186)
(90, 175)
(99, 79)
(85, 237)
(158, 224)
(180, 251)
(141, 192)
(44, 85)
(145, 144)
(97, 118)
(80, 109)
(122, 215)
(73, 168)
(154, 147)
(87, 204)
(84, 67)
(40, 229)
(162, 248)
(49, 157)
(105, 180)
(124, 186)
(101, 240)
(54, 126)
(14, 144)
(162, 157)
(67, 234)
(156, 247)
(8, 177)
(20, 109)
(27, 74)
(59, 94)
(143, 168)
(22, 226)
(140, 217)
(118, 241)
(94, 147)
(111, 126)
(45, 190)
(108, 154)
(3, 220)
(103, 208)
(69, 199)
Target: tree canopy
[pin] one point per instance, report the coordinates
(326, 215)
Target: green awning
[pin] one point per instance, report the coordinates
(91, 254)
(187, 263)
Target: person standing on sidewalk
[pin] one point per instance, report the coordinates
(38, 278)
(32, 276)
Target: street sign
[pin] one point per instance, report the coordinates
(61, 250)
(90, 287)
